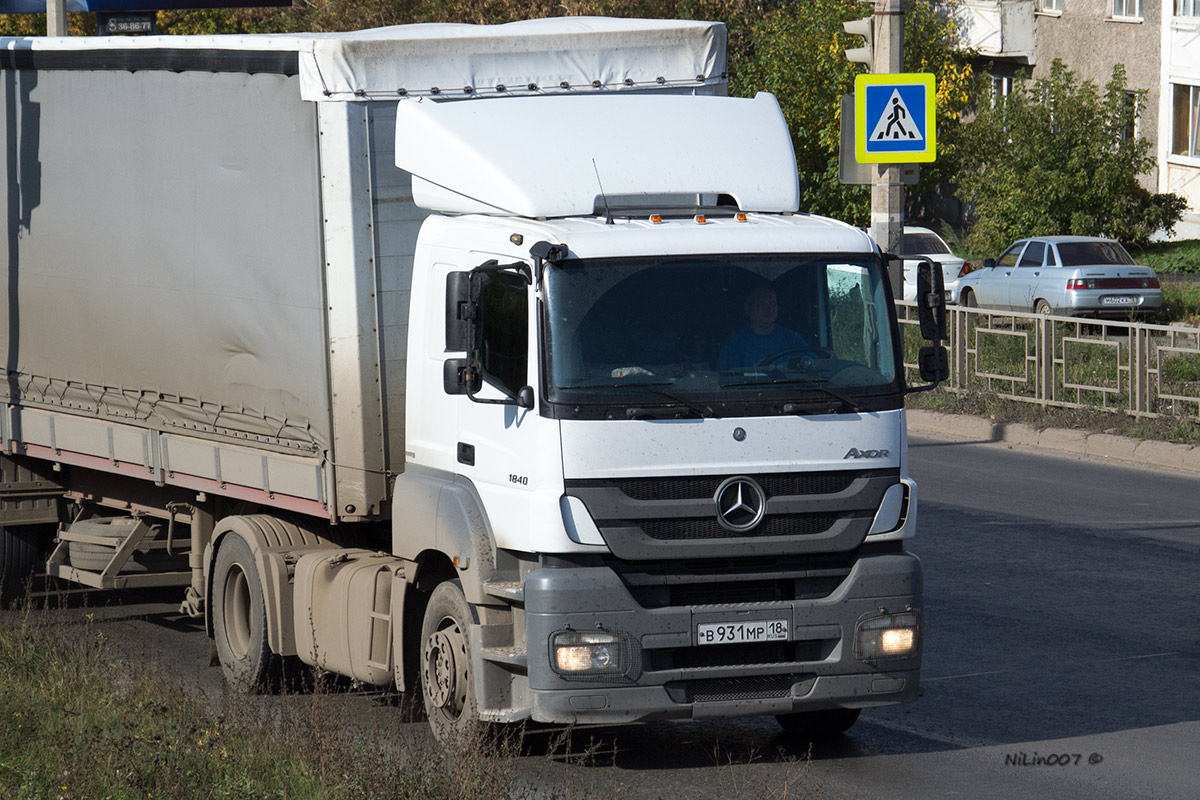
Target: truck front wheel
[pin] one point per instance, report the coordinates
(447, 680)
(240, 618)
(819, 724)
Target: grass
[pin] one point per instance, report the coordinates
(1181, 256)
(76, 723)
(1181, 306)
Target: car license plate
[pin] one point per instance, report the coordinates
(1118, 300)
(768, 630)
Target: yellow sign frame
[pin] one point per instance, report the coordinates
(914, 88)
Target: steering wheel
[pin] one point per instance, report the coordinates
(805, 363)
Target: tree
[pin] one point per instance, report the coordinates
(1055, 156)
(796, 51)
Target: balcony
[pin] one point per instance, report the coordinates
(998, 28)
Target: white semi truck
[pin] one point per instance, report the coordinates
(489, 362)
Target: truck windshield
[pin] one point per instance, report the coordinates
(749, 335)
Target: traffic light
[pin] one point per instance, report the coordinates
(866, 29)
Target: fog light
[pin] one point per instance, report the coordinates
(897, 641)
(582, 652)
(887, 636)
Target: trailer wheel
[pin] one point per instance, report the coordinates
(240, 618)
(18, 557)
(819, 724)
(447, 682)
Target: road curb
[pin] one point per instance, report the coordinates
(1094, 445)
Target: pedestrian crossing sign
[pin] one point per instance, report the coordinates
(894, 120)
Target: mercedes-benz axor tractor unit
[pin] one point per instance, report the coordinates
(491, 363)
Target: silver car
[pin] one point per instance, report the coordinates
(1066, 275)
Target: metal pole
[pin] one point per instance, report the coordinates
(887, 195)
(56, 17)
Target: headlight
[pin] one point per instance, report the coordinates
(591, 654)
(887, 636)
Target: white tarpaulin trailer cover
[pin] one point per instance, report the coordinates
(454, 61)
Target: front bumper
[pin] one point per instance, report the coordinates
(671, 676)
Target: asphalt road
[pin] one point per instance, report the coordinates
(1062, 655)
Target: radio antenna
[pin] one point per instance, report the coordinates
(603, 196)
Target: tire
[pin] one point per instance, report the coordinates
(18, 560)
(1043, 308)
(968, 299)
(816, 725)
(447, 679)
(240, 618)
(95, 557)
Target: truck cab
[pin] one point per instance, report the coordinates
(676, 419)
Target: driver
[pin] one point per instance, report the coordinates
(761, 337)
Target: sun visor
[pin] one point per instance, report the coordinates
(554, 156)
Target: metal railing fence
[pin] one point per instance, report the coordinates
(1130, 367)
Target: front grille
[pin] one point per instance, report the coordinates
(674, 530)
(739, 655)
(704, 487)
(731, 582)
(755, 688)
(819, 512)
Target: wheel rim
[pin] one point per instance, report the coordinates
(444, 667)
(236, 612)
(1043, 308)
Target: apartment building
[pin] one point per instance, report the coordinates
(1158, 41)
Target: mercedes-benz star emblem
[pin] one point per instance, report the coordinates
(741, 504)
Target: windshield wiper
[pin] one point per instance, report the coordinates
(812, 384)
(660, 413)
(795, 408)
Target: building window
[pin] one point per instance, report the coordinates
(1050, 5)
(1187, 8)
(1127, 9)
(1185, 119)
(1001, 87)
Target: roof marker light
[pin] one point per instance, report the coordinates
(656, 218)
(740, 216)
(701, 219)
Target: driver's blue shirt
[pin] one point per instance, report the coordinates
(745, 348)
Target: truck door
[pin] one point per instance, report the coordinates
(504, 448)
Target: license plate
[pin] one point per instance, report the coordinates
(769, 630)
(1118, 300)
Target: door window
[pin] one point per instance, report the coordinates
(1034, 255)
(1009, 259)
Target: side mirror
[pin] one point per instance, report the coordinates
(931, 300)
(933, 363)
(990, 263)
(458, 378)
(460, 312)
(525, 397)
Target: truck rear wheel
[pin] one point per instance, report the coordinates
(819, 724)
(240, 618)
(18, 555)
(447, 682)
